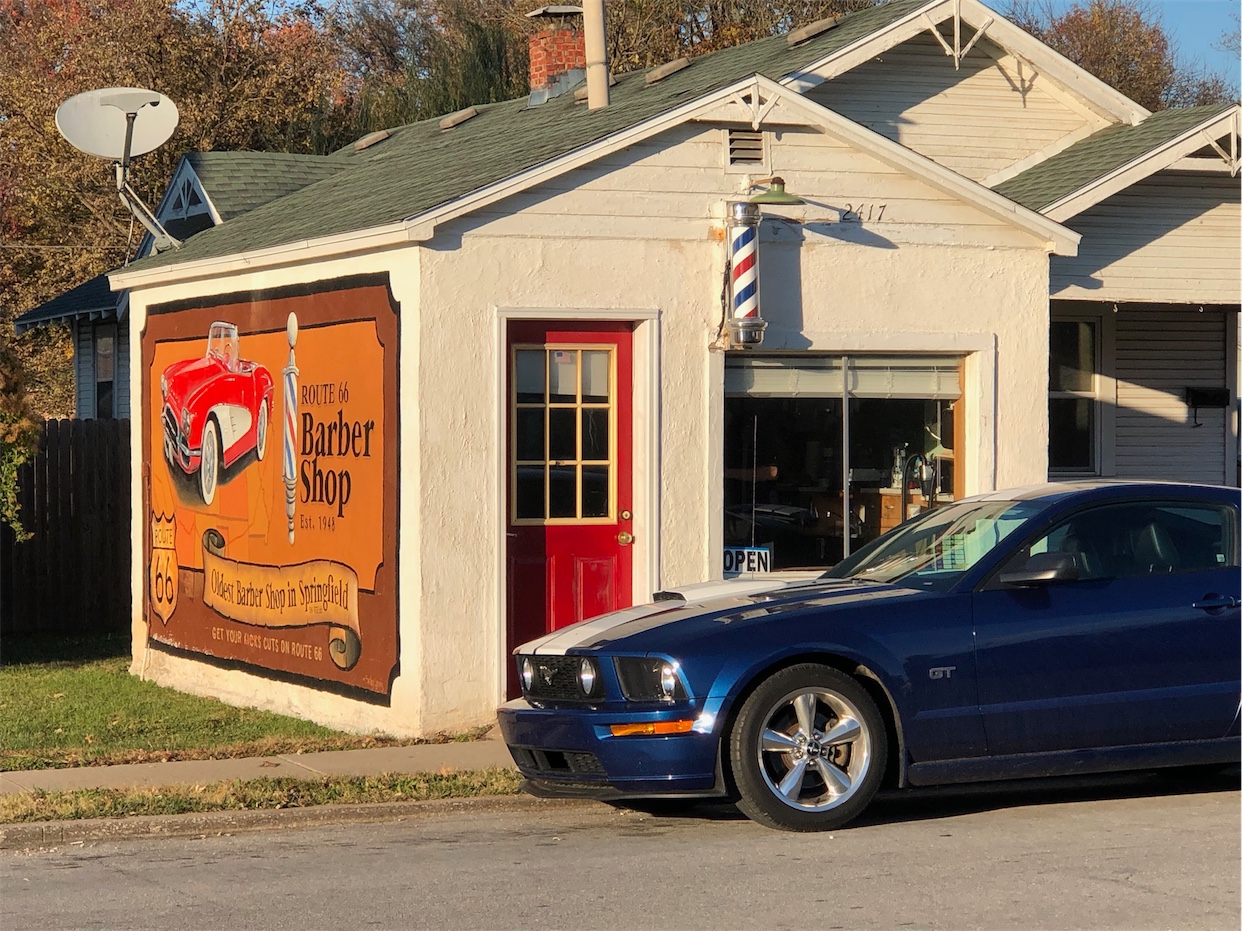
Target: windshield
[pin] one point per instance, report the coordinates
(937, 548)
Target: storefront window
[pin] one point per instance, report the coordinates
(816, 449)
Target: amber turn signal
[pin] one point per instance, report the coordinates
(652, 729)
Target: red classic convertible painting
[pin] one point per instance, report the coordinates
(215, 409)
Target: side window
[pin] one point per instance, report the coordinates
(1123, 541)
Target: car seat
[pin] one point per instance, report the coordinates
(1154, 551)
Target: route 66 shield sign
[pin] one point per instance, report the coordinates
(162, 573)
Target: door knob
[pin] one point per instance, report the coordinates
(625, 538)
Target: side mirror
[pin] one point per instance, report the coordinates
(1042, 569)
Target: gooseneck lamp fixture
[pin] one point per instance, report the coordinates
(775, 195)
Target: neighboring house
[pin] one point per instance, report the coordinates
(505, 398)
(206, 189)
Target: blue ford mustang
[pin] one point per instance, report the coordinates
(1059, 629)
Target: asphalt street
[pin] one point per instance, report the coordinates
(1156, 851)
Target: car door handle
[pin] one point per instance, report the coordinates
(1211, 602)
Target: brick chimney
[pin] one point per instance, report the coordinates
(557, 48)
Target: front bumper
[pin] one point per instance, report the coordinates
(570, 752)
(176, 444)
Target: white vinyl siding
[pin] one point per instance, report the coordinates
(1160, 351)
(120, 386)
(84, 370)
(672, 187)
(977, 120)
(1171, 237)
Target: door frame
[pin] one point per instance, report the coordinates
(645, 456)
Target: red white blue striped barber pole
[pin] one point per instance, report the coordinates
(744, 324)
(291, 373)
(743, 259)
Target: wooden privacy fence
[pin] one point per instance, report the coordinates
(72, 576)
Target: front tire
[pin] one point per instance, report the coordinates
(209, 462)
(808, 750)
(260, 445)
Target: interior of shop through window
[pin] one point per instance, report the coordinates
(825, 453)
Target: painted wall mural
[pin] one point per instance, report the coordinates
(271, 476)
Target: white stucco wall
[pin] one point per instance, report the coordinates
(638, 236)
(941, 277)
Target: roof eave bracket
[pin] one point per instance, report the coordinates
(956, 51)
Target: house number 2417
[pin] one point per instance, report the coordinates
(863, 213)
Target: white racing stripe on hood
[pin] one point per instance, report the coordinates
(559, 642)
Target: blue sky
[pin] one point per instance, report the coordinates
(1195, 26)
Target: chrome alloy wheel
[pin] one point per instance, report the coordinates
(814, 751)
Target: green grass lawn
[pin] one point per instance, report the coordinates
(74, 703)
(243, 794)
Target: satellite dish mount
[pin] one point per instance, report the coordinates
(106, 123)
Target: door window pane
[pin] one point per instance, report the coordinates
(563, 376)
(596, 376)
(594, 433)
(1071, 433)
(562, 435)
(530, 433)
(595, 491)
(529, 364)
(529, 492)
(563, 491)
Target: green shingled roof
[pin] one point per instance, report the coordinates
(93, 298)
(238, 182)
(420, 166)
(1100, 155)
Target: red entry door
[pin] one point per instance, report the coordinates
(570, 519)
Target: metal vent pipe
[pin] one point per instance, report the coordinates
(596, 54)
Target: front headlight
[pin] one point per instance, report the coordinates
(588, 675)
(163, 386)
(649, 679)
(528, 673)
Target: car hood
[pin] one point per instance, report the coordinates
(677, 620)
(184, 379)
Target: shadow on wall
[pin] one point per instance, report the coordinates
(780, 269)
(1161, 216)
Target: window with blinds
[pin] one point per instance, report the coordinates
(925, 377)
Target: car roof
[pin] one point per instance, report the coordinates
(1056, 492)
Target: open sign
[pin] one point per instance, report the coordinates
(747, 559)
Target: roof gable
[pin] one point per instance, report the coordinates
(421, 173)
(238, 182)
(982, 20)
(1116, 157)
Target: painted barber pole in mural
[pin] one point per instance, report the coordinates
(291, 419)
(286, 564)
(744, 325)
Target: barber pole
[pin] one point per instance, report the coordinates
(291, 419)
(744, 325)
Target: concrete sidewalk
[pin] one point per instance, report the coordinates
(420, 758)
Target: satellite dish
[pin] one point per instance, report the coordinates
(97, 122)
(106, 123)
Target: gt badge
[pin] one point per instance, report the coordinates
(941, 672)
